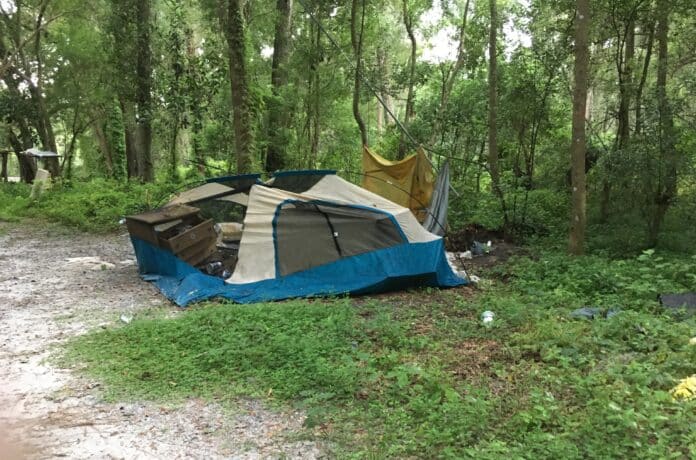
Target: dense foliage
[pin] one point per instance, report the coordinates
(169, 90)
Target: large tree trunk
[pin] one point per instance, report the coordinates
(576, 244)
(27, 165)
(410, 95)
(356, 39)
(493, 109)
(143, 130)
(667, 182)
(278, 107)
(42, 123)
(233, 25)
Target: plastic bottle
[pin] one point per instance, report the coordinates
(487, 317)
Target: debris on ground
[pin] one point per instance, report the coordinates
(685, 389)
(90, 263)
(594, 313)
(675, 302)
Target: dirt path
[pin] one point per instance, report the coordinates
(53, 288)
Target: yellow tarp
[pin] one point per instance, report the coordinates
(408, 182)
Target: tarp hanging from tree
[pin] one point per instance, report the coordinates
(408, 182)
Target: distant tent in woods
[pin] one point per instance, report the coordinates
(410, 183)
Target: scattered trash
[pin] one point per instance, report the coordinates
(594, 313)
(676, 302)
(213, 267)
(487, 317)
(685, 389)
(126, 319)
(91, 263)
(479, 249)
(474, 279)
(122, 221)
(466, 255)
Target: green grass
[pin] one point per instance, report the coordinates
(416, 375)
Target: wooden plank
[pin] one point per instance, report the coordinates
(201, 232)
(166, 214)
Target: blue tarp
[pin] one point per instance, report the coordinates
(398, 267)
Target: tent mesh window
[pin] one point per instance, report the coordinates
(221, 210)
(309, 235)
(298, 181)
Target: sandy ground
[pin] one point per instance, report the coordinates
(55, 284)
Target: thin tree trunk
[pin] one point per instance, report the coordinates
(233, 25)
(128, 116)
(173, 147)
(451, 77)
(278, 108)
(493, 109)
(667, 181)
(104, 147)
(624, 67)
(410, 96)
(643, 79)
(576, 244)
(143, 130)
(356, 39)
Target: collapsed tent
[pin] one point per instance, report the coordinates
(300, 234)
(411, 183)
(408, 182)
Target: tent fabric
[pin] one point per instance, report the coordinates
(436, 220)
(206, 191)
(398, 267)
(334, 238)
(408, 182)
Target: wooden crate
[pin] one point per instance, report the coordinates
(193, 245)
(143, 226)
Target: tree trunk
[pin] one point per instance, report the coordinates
(451, 77)
(493, 109)
(643, 79)
(129, 133)
(356, 39)
(3, 170)
(410, 96)
(667, 182)
(278, 107)
(233, 25)
(27, 166)
(143, 130)
(104, 146)
(578, 142)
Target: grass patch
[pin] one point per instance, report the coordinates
(415, 374)
(94, 206)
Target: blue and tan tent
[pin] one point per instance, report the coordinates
(300, 234)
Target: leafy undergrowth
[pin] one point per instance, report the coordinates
(416, 374)
(94, 206)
